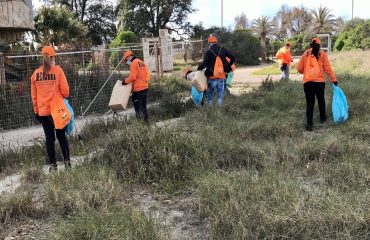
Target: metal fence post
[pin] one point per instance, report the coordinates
(2, 73)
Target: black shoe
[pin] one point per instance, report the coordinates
(53, 168)
(322, 121)
(67, 164)
(309, 128)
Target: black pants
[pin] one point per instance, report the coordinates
(312, 89)
(50, 131)
(140, 104)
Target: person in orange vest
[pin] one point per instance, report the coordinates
(313, 64)
(216, 67)
(47, 80)
(284, 59)
(139, 77)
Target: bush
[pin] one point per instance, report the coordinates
(356, 35)
(121, 40)
(246, 47)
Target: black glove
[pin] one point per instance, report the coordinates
(336, 84)
(124, 83)
(283, 67)
(37, 117)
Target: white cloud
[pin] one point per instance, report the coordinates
(209, 11)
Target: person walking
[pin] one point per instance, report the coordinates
(284, 59)
(313, 64)
(139, 77)
(217, 67)
(47, 81)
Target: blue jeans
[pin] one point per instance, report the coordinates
(285, 74)
(216, 84)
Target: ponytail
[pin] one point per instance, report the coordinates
(46, 60)
(315, 49)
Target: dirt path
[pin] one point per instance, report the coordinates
(245, 81)
(24, 137)
(178, 217)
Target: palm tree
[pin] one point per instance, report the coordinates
(323, 20)
(57, 25)
(263, 28)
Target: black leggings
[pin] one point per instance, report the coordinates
(50, 131)
(140, 101)
(312, 89)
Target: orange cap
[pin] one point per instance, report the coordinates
(317, 40)
(212, 39)
(48, 50)
(127, 54)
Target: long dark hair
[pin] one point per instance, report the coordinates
(315, 49)
(46, 61)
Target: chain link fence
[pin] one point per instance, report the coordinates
(87, 73)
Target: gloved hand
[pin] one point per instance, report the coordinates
(336, 84)
(283, 67)
(37, 117)
(124, 83)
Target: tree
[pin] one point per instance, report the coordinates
(241, 22)
(356, 35)
(100, 20)
(57, 26)
(289, 22)
(98, 16)
(145, 17)
(263, 28)
(121, 40)
(79, 7)
(323, 20)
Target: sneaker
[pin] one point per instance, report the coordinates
(53, 168)
(309, 128)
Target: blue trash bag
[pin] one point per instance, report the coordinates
(69, 127)
(196, 96)
(339, 106)
(229, 79)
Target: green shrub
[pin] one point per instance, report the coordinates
(356, 35)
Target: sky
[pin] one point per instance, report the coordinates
(209, 11)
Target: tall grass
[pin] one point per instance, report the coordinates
(257, 173)
(120, 223)
(82, 189)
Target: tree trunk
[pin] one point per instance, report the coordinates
(263, 44)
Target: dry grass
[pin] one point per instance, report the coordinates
(353, 62)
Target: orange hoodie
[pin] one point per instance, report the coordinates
(324, 65)
(284, 56)
(139, 75)
(44, 86)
